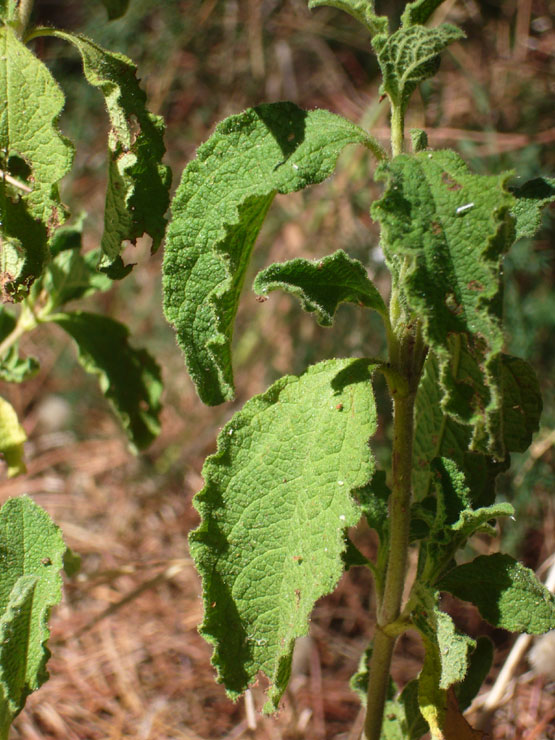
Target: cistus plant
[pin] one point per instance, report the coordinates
(43, 269)
(294, 469)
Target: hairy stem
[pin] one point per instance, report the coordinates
(397, 130)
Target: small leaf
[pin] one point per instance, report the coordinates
(115, 8)
(218, 211)
(419, 140)
(277, 501)
(507, 594)
(362, 10)
(128, 377)
(322, 285)
(409, 56)
(12, 437)
(13, 368)
(530, 199)
(31, 550)
(452, 229)
(138, 183)
(373, 499)
(419, 11)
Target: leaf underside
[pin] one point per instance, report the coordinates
(32, 551)
(218, 211)
(128, 377)
(274, 510)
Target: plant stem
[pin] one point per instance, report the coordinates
(26, 322)
(24, 13)
(397, 129)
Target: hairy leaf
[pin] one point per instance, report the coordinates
(274, 510)
(12, 437)
(507, 594)
(409, 56)
(530, 199)
(13, 367)
(362, 10)
(138, 183)
(217, 213)
(115, 8)
(322, 285)
(128, 377)
(31, 551)
(419, 11)
(448, 230)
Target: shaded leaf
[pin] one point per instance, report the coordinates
(274, 510)
(480, 662)
(456, 725)
(531, 198)
(115, 8)
(362, 10)
(13, 367)
(321, 285)
(217, 213)
(12, 437)
(138, 183)
(409, 56)
(507, 594)
(128, 377)
(31, 551)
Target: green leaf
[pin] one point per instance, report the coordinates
(507, 594)
(12, 437)
(13, 368)
(362, 10)
(522, 403)
(274, 511)
(480, 662)
(447, 230)
(128, 377)
(419, 11)
(419, 140)
(138, 183)
(530, 199)
(115, 8)
(322, 285)
(409, 56)
(31, 551)
(217, 213)
(373, 499)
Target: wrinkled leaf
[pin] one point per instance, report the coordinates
(531, 198)
(115, 8)
(12, 437)
(128, 377)
(322, 285)
(507, 594)
(217, 213)
(31, 554)
(362, 10)
(274, 510)
(419, 11)
(449, 230)
(138, 183)
(409, 56)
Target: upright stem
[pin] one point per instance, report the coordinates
(24, 13)
(397, 130)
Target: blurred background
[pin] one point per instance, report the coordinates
(127, 660)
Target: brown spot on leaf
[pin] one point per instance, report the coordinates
(475, 285)
(450, 182)
(436, 228)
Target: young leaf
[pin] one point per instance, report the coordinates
(115, 8)
(419, 11)
(138, 183)
(323, 284)
(32, 551)
(13, 368)
(128, 377)
(409, 56)
(449, 230)
(507, 594)
(530, 199)
(217, 213)
(274, 510)
(12, 437)
(362, 10)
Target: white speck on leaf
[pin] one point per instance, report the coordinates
(464, 209)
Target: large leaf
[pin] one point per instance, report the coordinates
(531, 198)
(274, 510)
(34, 157)
(362, 10)
(409, 56)
(12, 437)
(128, 377)
(217, 213)
(323, 284)
(448, 229)
(138, 183)
(32, 551)
(507, 594)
